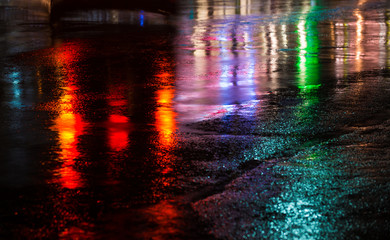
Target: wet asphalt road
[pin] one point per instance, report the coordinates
(224, 120)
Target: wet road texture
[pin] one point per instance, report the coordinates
(222, 120)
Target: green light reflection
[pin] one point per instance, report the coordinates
(308, 67)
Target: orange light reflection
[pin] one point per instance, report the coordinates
(165, 117)
(165, 122)
(69, 127)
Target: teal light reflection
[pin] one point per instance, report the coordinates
(15, 79)
(309, 204)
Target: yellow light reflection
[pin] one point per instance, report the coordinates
(284, 36)
(332, 38)
(345, 50)
(200, 30)
(245, 6)
(359, 36)
(39, 82)
(274, 47)
(341, 39)
(361, 2)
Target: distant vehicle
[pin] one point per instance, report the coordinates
(58, 7)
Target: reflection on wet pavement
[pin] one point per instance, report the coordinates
(226, 120)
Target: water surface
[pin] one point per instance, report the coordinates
(225, 120)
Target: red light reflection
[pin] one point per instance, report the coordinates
(118, 132)
(68, 124)
(168, 219)
(118, 125)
